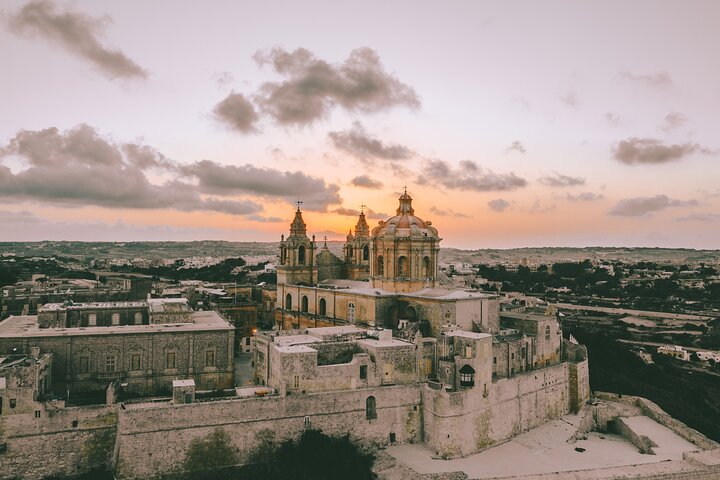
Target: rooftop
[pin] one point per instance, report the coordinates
(95, 305)
(27, 326)
(364, 288)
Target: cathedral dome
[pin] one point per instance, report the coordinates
(405, 223)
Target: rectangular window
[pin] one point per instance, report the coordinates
(138, 318)
(351, 312)
(92, 320)
(363, 372)
(210, 358)
(247, 341)
(468, 352)
(110, 363)
(512, 356)
(494, 360)
(115, 319)
(13, 402)
(296, 382)
(135, 362)
(84, 364)
(37, 413)
(170, 360)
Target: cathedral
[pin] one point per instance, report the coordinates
(388, 277)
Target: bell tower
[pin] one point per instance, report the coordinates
(357, 250)
(297, 255)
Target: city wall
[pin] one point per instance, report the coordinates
(60, 441)
(147, 446)
(460, 423)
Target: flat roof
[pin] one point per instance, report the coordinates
(385, 343)
(79, 306)
(295, 349)
(184, 383)
(463, 333)
(27, 326)
(361, 287)
(285, 340)
(338, 330)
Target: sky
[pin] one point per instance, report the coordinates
(554, 123)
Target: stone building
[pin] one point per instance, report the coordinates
(24, 381)
(144, 344)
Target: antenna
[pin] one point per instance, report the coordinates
(298, 203)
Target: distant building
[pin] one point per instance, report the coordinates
(674, 351)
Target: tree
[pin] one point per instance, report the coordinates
(207, 455)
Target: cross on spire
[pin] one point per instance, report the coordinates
(362, 208)
(298, 203)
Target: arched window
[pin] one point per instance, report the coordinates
(350, 252)
(380, 265)
(426, 267)
(467, 376)
(370, 408)
(288, 302)
(283, 255)
(547, 332)
(322, 307)
(301, 255)
(402, 267)
(366, 252)
(304, 303)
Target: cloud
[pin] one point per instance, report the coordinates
(672, 121)
(359, 143)
(468, 176)
(499, 205)
(448, 213)
(313, 87)
(369, 213)
(612, 119)
(364, 181)
(79, 167)
(570, 99)
(659, 80)
(536, 207)
(642, 206)
(223, 79)
(24, 227)
(77, 33)
(584, 197)
(649, 150)
(237, 112)
(699, 217)
(559, 180)
(214, 178)
(517, 146)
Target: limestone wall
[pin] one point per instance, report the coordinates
(61, 441)
(652, 410)
(464, 422)
(147, 446)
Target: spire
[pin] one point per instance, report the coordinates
(405, 204)
(361, 227)
(298, 227)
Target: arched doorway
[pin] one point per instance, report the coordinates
(288, 302)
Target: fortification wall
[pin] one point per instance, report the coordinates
(653, 411)
(147, 446)
(61, 441)
(465, 422)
